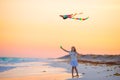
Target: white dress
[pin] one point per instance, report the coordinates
(74, 61)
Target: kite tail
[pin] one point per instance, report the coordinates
(82, 19)
(87, 17)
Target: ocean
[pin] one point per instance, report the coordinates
(7, 63)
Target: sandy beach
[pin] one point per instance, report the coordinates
(34, 71)
(45, 76)
(55, 69)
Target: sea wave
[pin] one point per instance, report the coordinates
(6, 60)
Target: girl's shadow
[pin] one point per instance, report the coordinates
(73, 79)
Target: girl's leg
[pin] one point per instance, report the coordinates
(72, 71)
(76, 71)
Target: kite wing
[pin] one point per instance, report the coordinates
(66, 16)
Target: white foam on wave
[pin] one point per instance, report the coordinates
(23, 64)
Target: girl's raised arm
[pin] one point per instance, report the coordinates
(64, 49)
(78, 54)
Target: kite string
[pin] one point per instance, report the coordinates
(76, 14)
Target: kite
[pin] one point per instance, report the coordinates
(71, 16)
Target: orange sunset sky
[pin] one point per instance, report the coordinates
(33, 28)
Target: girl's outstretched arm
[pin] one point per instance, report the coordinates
(64, 49)
(78, 54)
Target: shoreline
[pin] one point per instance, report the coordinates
(58, 69)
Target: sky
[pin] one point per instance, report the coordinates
(33, 28)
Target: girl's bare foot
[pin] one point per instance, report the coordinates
(77, 76)
(73, 76)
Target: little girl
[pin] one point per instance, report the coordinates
(74, 62)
